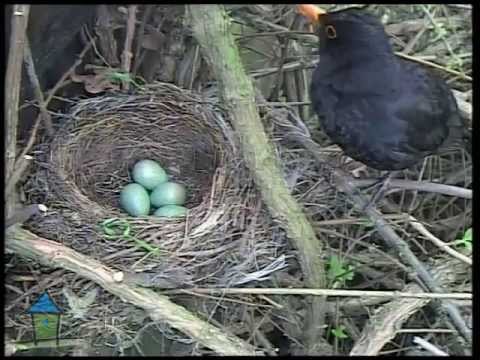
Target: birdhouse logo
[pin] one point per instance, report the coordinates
(45, 319)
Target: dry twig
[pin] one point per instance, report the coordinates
(37, 89)
(127, 50)
(420, 186)
(324, 292)
(23, 160)
(428, 346)
(439, 243)
(13, 78)
(147, 11)
(389, 318)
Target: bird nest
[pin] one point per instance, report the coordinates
(81, 172)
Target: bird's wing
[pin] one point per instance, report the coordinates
(427, 114)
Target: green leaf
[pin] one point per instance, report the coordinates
(108, 221)
(339, 332)
(117, 76)
(338, 271)
(115, 228)
(335, 267)
(466, 240)
(146, 246)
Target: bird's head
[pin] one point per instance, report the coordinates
(350, 30)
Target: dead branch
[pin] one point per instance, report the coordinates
(420, 186)
(23, 159)
(13, 78)
(158, 307)
(388, 320)
(37, 89)
(127, 51)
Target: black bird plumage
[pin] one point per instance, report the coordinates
(384, 111)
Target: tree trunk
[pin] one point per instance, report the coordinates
(211, 29)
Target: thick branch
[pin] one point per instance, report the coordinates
(211, 29)
(158, 307)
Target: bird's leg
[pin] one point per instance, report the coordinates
(382, 184)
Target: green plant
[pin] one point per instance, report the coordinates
(339, 332)
(118, 76)
(339, 272)
(120, 229)
(466, 240)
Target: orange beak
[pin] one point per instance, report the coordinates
(311, 12)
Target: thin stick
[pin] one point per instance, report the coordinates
(22, 160)
(14, 346)
(141, 34)
(13, 78)
(22, 166)
(441, 35)
(384, 324)
(323, 292)
(127, 51)
(436, 66)
(37, 89)
(70, 71)
(420, 186)
(429, 347)
(313, 39)
(439, 243)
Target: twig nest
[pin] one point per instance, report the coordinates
(92, 158)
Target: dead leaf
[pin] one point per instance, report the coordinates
(98, 82)
(79, 306)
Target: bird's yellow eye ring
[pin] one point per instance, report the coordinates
(331, 32)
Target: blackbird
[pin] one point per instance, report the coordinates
(383, 111)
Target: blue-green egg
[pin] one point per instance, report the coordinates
(168, 193)
(149, 174)
(171, 211)
(134, 200)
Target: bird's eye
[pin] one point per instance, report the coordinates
(331, 32)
